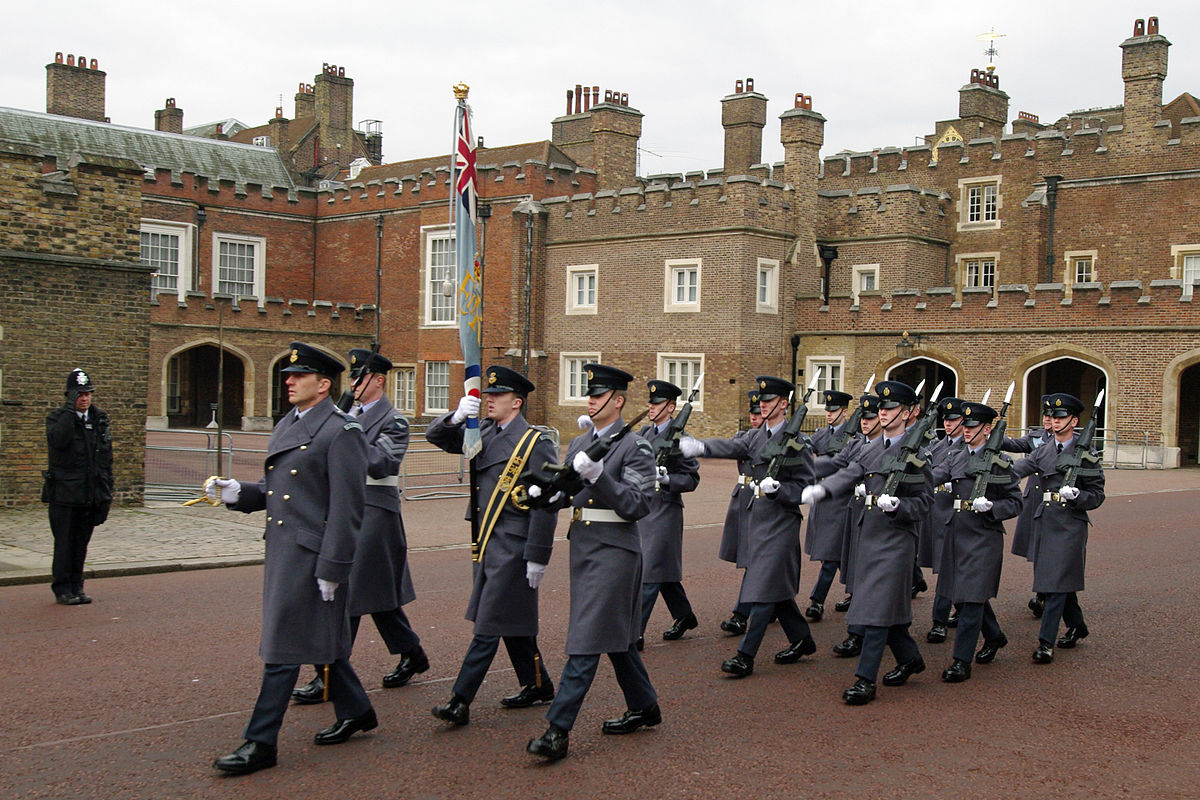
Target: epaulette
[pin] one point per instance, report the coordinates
(352, 424)
(644, 446)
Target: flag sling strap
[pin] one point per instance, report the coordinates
(504, 487)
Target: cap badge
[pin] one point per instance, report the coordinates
(886, 391)
(294, 357)
(81, 378)
(653, 388)
(590, 375)
(1058, 402)
(967, 411)
(491, 378)
(949, 406)
(762, 384)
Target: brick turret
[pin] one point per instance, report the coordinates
(743, 116)
(75, 88)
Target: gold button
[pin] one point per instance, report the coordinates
(270, 468)
(293, 472)
(590, 501)
(287, 497)
(303, 447)
(280, 522)
(269, 519)
(587, 522)
(270, 492)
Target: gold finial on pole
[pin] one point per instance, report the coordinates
(460, 91)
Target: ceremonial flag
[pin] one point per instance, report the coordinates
(469, 296)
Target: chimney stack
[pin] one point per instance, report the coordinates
(75, 88)
(169, 118)
(743, 115)
(305, 101)
(1143, 68)
(334, 110)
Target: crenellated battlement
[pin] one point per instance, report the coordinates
(200, 308)
(208, 190)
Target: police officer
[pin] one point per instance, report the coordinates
(380, 583)
(312, 490)
(79, 483)
(826, 519)
(941, 512)
(732, 534)
(606, 568)
(661, 530)
(512, 546)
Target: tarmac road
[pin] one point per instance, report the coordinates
(135, 695)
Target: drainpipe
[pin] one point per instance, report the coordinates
(378, 272)
(528, 287)
(1052, 202)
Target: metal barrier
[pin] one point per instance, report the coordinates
(428, 472)
(1130, 449)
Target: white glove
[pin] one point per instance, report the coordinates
(813, 494)
(860, 490)
(533, 573)
(588, 470)
(585, 422)
(887, 502)
(467, 407)
(534, 491)
(225, 489)
(1068, 492)
(981, 504)
(327, 589)
(690, 447)
(661, 474)
(768, 486)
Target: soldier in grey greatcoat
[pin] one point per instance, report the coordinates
(312, 490)
(380, 582)
(733, 533)
(941, 511)
(973, 547)
(661, 530)
(1032, 495)
(513, 544)
(827, 519)
(606, 568)
(772, 544)
(1058, 540)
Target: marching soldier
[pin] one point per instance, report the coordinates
(941, 512)
(606, 569)
(312, 490)
(1032, 496)
(380, 583)
(510, 546)
(732, 534)
(826, 519)
(661, 530)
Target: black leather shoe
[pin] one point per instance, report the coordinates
(68, 600)
(861, 693)
(311, 693)
(735, 625)
(250, 757)
(1073, 635)
(987, 653)
(640, 644)
(551, 745)
(900, 675)
(679, 627)
(739, 666)
(952, 618)
(850, 647)
(343, 729)
(457, 711)
(1044, 653)
(815, 611)
(1037, 605)
(410, 664)
(920, 586)
(633, 719)
(792, 653)
(83, 599)
(528, 696)
(957, 672)
(844, 604)
(937, 634)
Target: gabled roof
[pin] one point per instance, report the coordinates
(229, 127)
(212, 158)
(1185, 106)
(542, 151)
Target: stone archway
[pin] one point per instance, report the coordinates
(931, 370)
(190, 380)
(1065, 373)
(1181, 409)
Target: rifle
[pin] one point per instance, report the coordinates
(981, 466)
(788, 448)
(1080, 460)
(666, 449)
(842, 438)
(551, 478)
(346, 401)
(895, 465)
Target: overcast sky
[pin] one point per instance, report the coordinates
(880, 72)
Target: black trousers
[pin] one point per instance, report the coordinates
(1060, 606)
(278, 681)
(577, 677)
(824, 581)
(72, 528)
(672, 594)
(522, 652)
(974, 618)
(394, 628)
(794, 625)
(874, 638)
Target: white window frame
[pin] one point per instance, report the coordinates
(431, 408)
(666, 372)
(856, 273)
(184, 232)
(568, 394)
(988, 216)
(582, 271)
(964, 259)
(404, 389)
(828, 381)
(673, 268)
(769, 304)
(1071, 271)
(431, 234)
(1181, 254)
(260, 260)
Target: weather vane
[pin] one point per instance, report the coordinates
(991, 52)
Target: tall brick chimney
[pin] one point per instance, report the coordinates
(802, 132)
(169, 118)
(982, 106)
(1143, 68)
(334, 110)
(305, 101)
(75, 88)
(743, 116)
(600, 135)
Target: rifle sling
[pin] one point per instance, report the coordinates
(504, 487)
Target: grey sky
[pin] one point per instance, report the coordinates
(880, 72)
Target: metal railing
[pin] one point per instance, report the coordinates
(1125, 448)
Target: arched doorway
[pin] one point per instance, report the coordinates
(1070, 375)
(192, 388)
(1187, 435)
(933, 372)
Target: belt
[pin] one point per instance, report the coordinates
(870, 500)
(390, 480)
(961, 505)
(590, 515)
(939, 489)
(1051, 497)
(745, 480)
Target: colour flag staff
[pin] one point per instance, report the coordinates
(469, 297)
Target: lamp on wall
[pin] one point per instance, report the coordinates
(906, 345)
(828, 253)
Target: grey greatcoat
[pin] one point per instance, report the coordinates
(1058, 539)
(734, 531)
(380, 580)
(606, 557)
(881, 546)
(1032, 495)
(312, 490)
(973, 553)
(502, 603)
(826, 530)
(941, 508)
(771, 548)
(661, 530)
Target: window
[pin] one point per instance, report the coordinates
(440, 277)
(831, 374)
(977, 270)
(865, 278)
(581, 289)
(406, 390)
(238, 265)
(1186, 266)
(1081, 267)
(979, 203)
(167, 249)
(682, 285)
(262, 141)
(173, 396)
(437, 387)
(767, 287)
(682, 369)
(572, 377)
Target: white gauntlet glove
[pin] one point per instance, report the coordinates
(585, 422)
(1068, 492)
(588, 470)
(660, 474)
(981, 504)
(813, 494)
(226, 490)
(533, 573)
(768, 486)
(888, 503)
(860, 490)
(327, 588)
(690, 447)
(467, 407)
